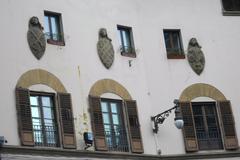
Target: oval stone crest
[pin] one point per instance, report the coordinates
(195, 56)
(105, 48)
(36, 38)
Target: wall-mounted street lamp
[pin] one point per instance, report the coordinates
(159, 119)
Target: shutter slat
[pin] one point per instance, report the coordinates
(24, 116)
(97, 124)
(189, 132)
(134, 127)
(67, 122)
(229, 132)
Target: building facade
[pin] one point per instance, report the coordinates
(106, 67)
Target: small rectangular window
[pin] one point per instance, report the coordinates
(173, 44)
(53, 28)
(126, 41)
(231, 7)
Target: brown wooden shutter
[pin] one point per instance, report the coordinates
(24, 116)
(189, 132)
(229, 132)
(97, 124)
(134, 127)
(67, 121)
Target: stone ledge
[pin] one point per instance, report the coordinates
(57, 152)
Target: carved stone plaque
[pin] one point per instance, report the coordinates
(36, 38)
(105, 48)
(195, 56)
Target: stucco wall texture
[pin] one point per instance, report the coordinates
(152, 80)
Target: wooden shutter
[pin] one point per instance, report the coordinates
(134, 126)
(97, 123)
(229, 132)
(24, 116)
(189, 132)
(66, 119)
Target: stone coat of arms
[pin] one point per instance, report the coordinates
(36, 38)
(195, 56)
(105, 48)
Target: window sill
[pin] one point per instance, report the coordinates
(175, 56)
(53, 42)
(231, 13)
(129, 54)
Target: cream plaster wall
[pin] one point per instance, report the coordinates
(152, 80)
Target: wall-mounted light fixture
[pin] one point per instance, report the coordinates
(159, 118)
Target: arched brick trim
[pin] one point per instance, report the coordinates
(109, 86)
(39, 76)
(201, 90)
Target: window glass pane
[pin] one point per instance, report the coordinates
(209, 110)
(176, 41)
(197, 110)
(46, 27)
(104, 107)
(115, 119)
(237, 5)
(34, 100)
(46, 101)
(167, 40)
(107, 128)
(48, 122)
(36, 123)
(38, 136)
(106, 118)
(119, 37)
(228, 5)
(126, 38)
(114, 108)
(47, 112)
(35, 112)
(55, 29)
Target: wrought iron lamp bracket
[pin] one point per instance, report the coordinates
(160, 118)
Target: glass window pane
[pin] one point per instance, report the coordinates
(34, 100)
(35, 112)
(115, 119)
(126, 38)
(119, 37)
(47, 112)
(46, 27)
(38, 136)
(46, 101)
(48, 122)
(107, 128)
(36, 123)
(106, 118)
(104, 107)
(167, 40)
(176, 40)
(55, 29)
(114, 108)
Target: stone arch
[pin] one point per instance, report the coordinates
(109, 86)
(39, 76)
(201, 90)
